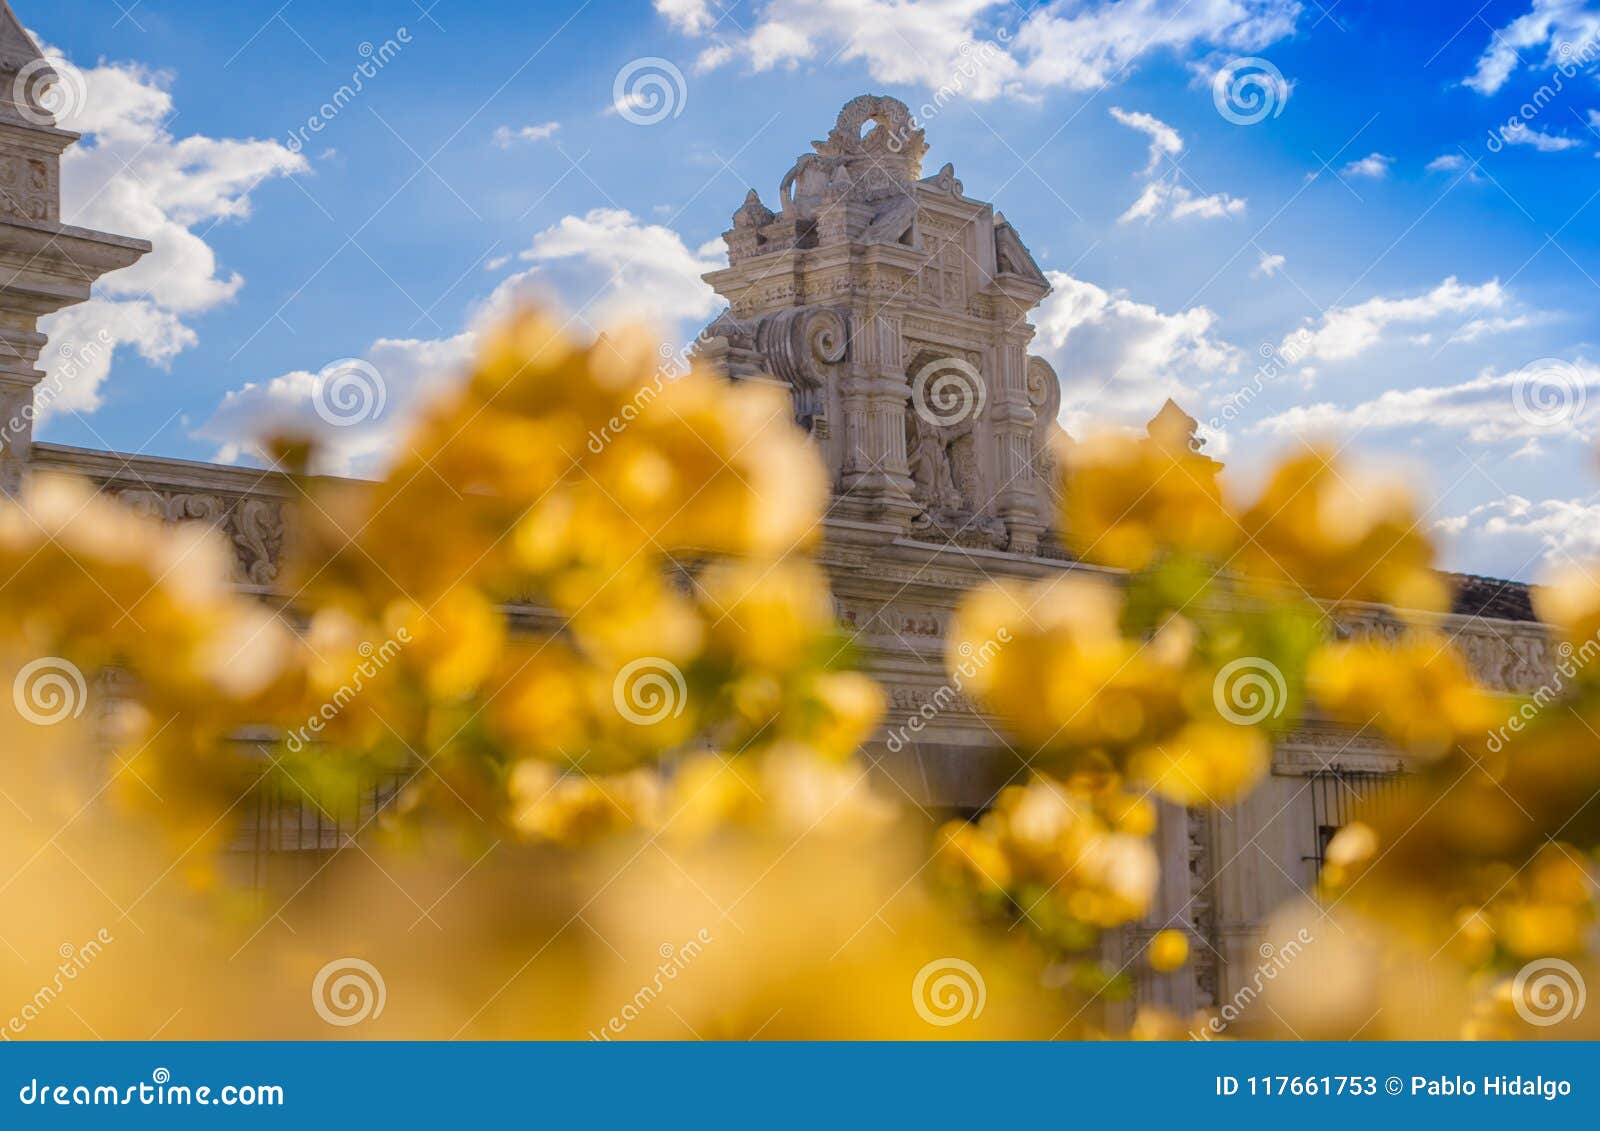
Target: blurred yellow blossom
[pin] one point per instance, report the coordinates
(1127, 498)
(1416, 691)
(1168, 951)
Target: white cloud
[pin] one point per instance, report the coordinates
(689, 16)
(130, 175)
(1164, 140)
(1081, 46)
(608, 267)
(1166, 196)
(1095, 44)
(1476, 328)
(505, 137)
(1120, 359)
(410, 372)
(1561, 27)
(1180, 203)
(1344, 332)
(1527, 404)
(1518, 133)
(602, 268)
(1505, 537)
(1373, 165)
(927, 44)
(1268, 265)
(1447, 163)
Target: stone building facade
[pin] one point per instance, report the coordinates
(894, 309)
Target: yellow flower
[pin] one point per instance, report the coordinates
(1570, 600)
(1204, 763)
(850, 706)
(1417, 692)
(1126, 499)
(768, 615)
(1051, 660)
(1168, 951)
(569, 807)
(1322, 529)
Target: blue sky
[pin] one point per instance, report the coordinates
(1416, 285)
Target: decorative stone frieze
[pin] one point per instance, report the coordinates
(246, 507)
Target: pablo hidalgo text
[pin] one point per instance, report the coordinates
(1527, 1087)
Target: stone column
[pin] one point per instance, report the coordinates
(1013, 422)
(874, 395)
(20, 346)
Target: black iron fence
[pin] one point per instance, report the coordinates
(1339, 796)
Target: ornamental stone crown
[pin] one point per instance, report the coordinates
(894, 309)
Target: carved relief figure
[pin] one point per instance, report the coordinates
(928, 448)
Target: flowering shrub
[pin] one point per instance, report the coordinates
(606, 681)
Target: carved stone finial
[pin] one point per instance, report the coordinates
(1174, 429)
(25, 75)
(753, 214)
(879, 127)
(945, 180)
(746, 237)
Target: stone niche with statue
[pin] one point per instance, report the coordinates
(894, 308)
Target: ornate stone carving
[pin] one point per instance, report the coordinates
(1513, 660)
(894, 264)
(1044, 397)
(254, 525)
(1202, 906)
(804, 345)
(258, 531)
